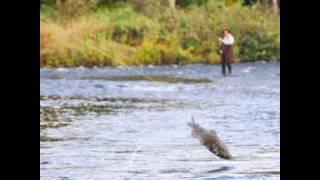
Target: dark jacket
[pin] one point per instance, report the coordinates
(227, 53)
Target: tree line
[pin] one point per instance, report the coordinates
(273, 4)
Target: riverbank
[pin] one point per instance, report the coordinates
(153, 34)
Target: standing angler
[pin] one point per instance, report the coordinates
(210, 140)
(226, 51)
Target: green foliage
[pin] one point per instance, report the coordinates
(185, 3)
(250, 2)
(108, 3)
(149, 53)
(47, 3)
(126, 34)
(172, 53)
(131, 36)
(168, 53)
(259, 46)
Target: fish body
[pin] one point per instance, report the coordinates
(210, 140)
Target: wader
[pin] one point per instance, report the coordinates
(226, 58)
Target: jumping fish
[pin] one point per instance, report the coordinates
(210, 140)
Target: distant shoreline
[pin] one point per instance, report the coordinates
(129, 35)
(163, 65)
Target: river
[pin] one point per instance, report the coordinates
(131, 122)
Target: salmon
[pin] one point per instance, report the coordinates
(210, 140)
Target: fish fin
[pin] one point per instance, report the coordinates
(192, 123)
(212, 131)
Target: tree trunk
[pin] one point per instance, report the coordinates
(275, 7)
(172, 4)
(273, 4)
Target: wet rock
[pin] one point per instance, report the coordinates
(99, 86)
(63, 178)
(210, 140)
(122, 86)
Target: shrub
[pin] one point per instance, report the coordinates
(185, 3)
(148, 53)
(132, 35)
(259, 46)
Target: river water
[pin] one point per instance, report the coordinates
(130, 122)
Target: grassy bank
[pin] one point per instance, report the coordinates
(126, 34)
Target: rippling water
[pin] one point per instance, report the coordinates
(130, 123)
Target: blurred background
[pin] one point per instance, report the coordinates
(139, 32)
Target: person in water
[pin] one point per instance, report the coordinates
(226, 51)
